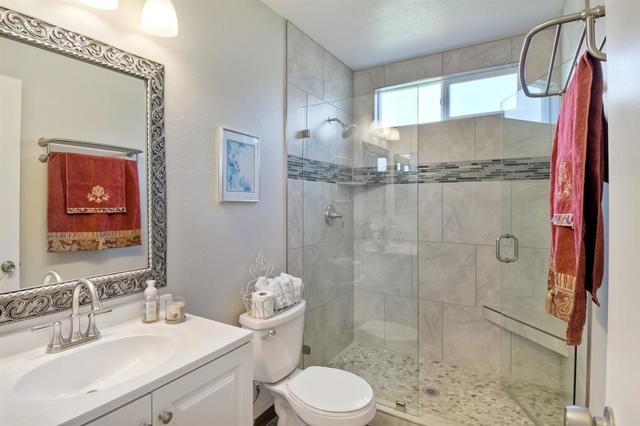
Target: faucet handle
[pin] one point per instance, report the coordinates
(92, 329)
(56, 338)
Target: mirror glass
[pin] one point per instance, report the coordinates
(73, 214)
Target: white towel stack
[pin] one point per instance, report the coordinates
(286, 289)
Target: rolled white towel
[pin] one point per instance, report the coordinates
(297, 286)
(285, 286)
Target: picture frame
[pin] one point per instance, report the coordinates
(238, 166)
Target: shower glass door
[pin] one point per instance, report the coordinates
(537, 367)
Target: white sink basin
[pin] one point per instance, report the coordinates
(95, 367)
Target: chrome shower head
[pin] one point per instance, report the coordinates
(347, 129)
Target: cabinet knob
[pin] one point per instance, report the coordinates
(165, 417)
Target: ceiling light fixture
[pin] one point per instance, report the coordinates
(159, 18)
(102, 4)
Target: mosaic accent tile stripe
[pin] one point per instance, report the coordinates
(319, 171)
(525, 168)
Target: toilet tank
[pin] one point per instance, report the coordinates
(277, 343)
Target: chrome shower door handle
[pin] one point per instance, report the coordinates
(499, 248)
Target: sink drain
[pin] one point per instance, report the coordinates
(430, 391)
(92, 391)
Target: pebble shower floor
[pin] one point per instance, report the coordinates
(462, 396)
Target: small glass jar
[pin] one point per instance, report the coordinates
(175, 310)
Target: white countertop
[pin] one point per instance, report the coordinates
(198, 341)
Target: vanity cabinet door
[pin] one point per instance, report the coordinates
(136, 413)
(217, 394)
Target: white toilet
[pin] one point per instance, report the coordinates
(316, 396)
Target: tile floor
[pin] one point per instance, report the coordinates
(456, 395)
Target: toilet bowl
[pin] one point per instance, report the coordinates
(315, 396)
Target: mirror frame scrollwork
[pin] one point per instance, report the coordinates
(38, 301)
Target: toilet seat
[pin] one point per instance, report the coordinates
(331, 390)
(319, 400)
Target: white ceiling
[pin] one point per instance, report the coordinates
(364, 33)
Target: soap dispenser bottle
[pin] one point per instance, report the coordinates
(151, 307)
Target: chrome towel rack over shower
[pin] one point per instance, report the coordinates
(589, 16)
(46, 143)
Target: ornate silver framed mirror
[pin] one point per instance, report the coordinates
(41, 298)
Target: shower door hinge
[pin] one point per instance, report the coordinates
(401, 405)
(306, 349)
(304, 134)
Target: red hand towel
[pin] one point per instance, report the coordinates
(86, 232)
(94, 184)
(578, 172)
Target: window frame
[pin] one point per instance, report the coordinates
(445, 83)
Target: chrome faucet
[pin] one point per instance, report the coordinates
(76, 337)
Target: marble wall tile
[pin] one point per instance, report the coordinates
(447, 273)
(364, 104)
(505, 355)
(430, 212)
(296, 119)
(295, 262)
(473, 212)
(317, 195)
(488, 133)
(526, 139)
(368, 80)
(470, 340)
(430, 330)
(488, 277)
(304, 61)
(328, 269)
(526, 279)
(401, 325)
(413, 69)
(338, 79)
(533, 363)
(369, 318)
(368, 211)
(322, 144)
(530, 213)
(477, 57)
(314, 325)
(400, 212)
(407, 145)
(452, 140)
(295, 223)
(338, 327)
(387, 267)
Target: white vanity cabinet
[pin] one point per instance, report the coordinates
(217, 394)
(136, 413)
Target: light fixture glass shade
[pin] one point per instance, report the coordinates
(159, 18)
(102, 4)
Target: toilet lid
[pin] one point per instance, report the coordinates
(330, 389)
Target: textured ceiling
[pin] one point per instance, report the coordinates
(364, 33)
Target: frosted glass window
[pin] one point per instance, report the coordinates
(483, 95)
(398, 107)
(430, 103)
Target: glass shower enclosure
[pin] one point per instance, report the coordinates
(407, 238)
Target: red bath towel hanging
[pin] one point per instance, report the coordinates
(578, 172)
(90, 231)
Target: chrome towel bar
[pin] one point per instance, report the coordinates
(46, 143)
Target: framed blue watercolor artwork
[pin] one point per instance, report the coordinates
(239, 155)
